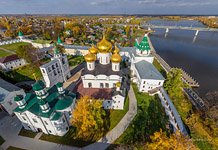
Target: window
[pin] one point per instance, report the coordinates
(108, 102)
(55, 73)
(49, 69)
(143, 86)
(101, 85)
(89, 65)
(106, 85)
(63, 61)
(46, 122)
(106, 60)
(118, 101)
(90, 85)
(43, 71)
(53, 67)
(114, 85)
(115, 67)
(159, 83)
(49, 131)
(63, 120)
(10, 103)
(34, 120)
(66, 128)
(56, 65)
(144, 82)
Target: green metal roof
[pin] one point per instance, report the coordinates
(144, 45)
(56, 116)
(64, 102)
(38, 85)
(56, 50)
(59, 84)
(55, 101)
(20, 33)
(59, 40)
(18, 98)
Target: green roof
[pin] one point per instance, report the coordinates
(136, 44)
(54, 100)
(18, 98)
(20, 33)
(144, 45)
(59, 84)
(56, 116)
(56, 50)
(38, 85)
(59, 40)
(64, 102)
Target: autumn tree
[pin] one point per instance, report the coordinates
(88, 118)
(28, 53)
(174, 86)
(176, 141)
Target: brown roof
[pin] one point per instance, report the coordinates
(9, 58)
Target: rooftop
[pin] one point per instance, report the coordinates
(147, 70)
(9, 58)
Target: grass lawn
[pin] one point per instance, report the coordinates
(14, 46)
(25, 73)
(4, 53)
(14, 148)
(75, 60)
(27, 133)
(67, 139)
(149, 119)
(117, 115)
(159, 68)
(1, 140)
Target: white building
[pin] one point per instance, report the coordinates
(144, 74)
(57, 70)
(7, 93)
(48, 110)
(11, 62)
(103, 72)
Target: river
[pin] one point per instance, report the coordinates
(198, 58)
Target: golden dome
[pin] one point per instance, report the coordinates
(117, 50)
(90, 57)
(93, 50)
(116, 58)
(104, 45)
(118, 84)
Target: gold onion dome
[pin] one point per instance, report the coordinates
(93, 50)
(116, 58)
(90, 57)
(117, 50)
(104, 45)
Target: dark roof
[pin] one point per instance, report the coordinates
(8, 86)
(9, 58)
(101, 69)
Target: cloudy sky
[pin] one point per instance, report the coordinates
(109, 6)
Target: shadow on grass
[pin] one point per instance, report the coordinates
(27, 133)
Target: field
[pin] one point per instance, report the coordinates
(13, 47)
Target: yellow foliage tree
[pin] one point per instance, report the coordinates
(88, 118)
(176, 141)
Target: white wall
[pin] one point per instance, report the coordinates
(13, 64)
(117, 102)
(149, 84)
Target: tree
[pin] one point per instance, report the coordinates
(88, 118)
(28, 53)
(174, 86)
(176, 141)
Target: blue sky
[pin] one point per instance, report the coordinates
(109, 6)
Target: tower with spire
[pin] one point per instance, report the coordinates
(57, 70)
(143, 48)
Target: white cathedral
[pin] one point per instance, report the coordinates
(103, 71)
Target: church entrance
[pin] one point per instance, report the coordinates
(90, 85)
(39, 129)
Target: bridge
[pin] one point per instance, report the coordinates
(173, 27)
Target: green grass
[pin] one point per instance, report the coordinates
(25, 73)
(117, 115)
(4, 53)
(27, 133)
(149, 119)
(14, 148)
(67, 139)
(75, 60)
(159, 68)
(13, 47)
(1, 140)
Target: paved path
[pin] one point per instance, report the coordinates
(117, 131)
(7, 50)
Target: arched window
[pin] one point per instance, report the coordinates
(90, 85)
